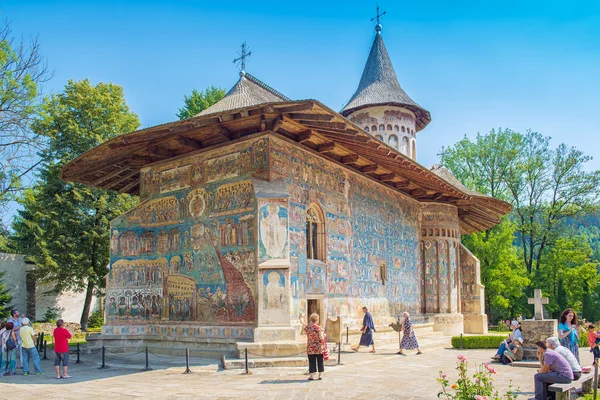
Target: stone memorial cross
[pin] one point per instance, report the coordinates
(538, 301)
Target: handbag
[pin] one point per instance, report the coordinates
(325, 351)
(10, 343)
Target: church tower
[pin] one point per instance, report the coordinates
(381, 107)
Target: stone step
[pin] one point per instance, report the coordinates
(526, 364)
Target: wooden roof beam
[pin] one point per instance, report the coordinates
(122, 179)
(311, 117)
(386, 177)
(129, 186)
(305, 136)
(277, 124)
(418, 192)
(369, 168)
(187, 142)
(160, 151)
(349, 159)
(331, 125)
(326, 147)
(107, 177)
(401, 185)
(297, 107)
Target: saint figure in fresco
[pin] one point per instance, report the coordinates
(274, 291)
(273, 231)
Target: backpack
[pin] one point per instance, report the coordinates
(10, 343)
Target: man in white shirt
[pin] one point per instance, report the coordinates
(554, 344)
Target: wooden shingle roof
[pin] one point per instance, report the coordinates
(116, 164)
(248, 91)
(379, 86)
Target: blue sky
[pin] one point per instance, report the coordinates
(475, 65)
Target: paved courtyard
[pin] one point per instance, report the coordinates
(383, 375)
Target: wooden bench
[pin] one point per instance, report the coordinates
(563, 390)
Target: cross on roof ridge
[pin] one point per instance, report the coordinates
(241, 60)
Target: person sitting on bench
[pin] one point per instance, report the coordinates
(506, 344)
(554, 344)
(554, 370)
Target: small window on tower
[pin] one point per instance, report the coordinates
(389, 127)
(374, 128)
(381, 128)
(366, 129)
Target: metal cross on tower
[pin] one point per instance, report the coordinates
(376, 18)
(241, 60)
(442, 154)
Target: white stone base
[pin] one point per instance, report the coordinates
(274, 334)
(449, 324)
(476, 324)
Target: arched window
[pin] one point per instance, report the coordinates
(389, 127)
(315, 234)
(366, 129)
(374, 128)
(379, 137)
(443, 232)
(424, 232)
(404, 148)
(381, 128)
(396, 128)
(414, 149)
(393, 141)
(403, 129)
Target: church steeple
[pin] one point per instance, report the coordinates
(379, 85)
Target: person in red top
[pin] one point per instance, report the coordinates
(61, 349)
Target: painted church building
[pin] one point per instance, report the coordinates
(261, 210)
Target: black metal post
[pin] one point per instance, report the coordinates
(339, 354)
(247, 371)
(78, 351)
(347, 334)
(103, 358)
(461, 342)
(45, 348)
(147, 367)
(187, 361)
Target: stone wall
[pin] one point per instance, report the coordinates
(472, 293)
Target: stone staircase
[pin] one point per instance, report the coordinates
(386, 341)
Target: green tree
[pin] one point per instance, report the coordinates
(64, 227)
(547, 187)
(5, 299)
(199, 101)
(22, 70)
(502, 271)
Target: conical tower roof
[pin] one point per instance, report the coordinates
(379, 86)
(248, 91)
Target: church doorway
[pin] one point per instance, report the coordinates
(315, 305)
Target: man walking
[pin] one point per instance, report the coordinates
(555, 370)
(28, 337)
(15, 318)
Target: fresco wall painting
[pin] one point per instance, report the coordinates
(188, 253)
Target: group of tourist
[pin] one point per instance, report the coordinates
(17, 338)
(316, 345)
